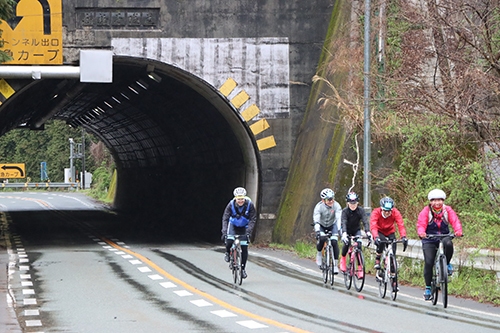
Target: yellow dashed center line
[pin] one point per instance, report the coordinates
(208, 296)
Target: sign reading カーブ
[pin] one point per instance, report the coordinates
(34, 35)
(12, 170)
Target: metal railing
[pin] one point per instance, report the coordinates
(40, 185)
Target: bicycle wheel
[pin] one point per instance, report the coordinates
(240, 276)
(381, 279)
(444, 280)
(324, 265)
(434, 285)
(348, 272)
(359, 271)
(234, 266)
(330, 265)
(393, 278)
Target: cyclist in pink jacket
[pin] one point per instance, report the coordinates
(436, 219)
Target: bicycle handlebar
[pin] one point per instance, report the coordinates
(391, 241)
(440, 236)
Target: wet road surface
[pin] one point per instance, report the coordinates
(75, 267)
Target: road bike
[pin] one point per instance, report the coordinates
(235, 260)
(327, 262)
(355, 268)
(388, 272)
(440, 273)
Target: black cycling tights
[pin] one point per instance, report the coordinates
(430, 250)
(335, 245)
(244, 252)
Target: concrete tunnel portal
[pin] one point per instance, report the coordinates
(179, 146)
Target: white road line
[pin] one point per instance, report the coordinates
(28, 291)
(25, 276)
(29, 301)
(135, 262)
(32, 323)
(251, 324)
(127, 256)
(168, 285)
(31, 312)
(155, 277)
(24, 268)
(201, 303)
(182, 293)
(224, 313)
(26, 283)
(144, 269)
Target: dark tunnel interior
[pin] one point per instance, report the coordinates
(180, 147)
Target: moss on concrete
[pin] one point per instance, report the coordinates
(319, 146)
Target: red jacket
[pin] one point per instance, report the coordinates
(386, 225)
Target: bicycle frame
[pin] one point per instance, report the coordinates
(356, 265)
(327, 260)
(440, 272)
(235, 260)
(388, 272)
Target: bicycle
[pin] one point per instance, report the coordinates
(388, 272)
(355, 264)
(440, 273)
(235, 260)
(327, 263)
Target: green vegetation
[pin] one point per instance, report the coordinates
(52, 146)
(480, 285)
(101, 182)
(6, 13)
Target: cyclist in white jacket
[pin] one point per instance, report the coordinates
(326, 218)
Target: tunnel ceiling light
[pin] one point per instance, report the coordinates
(135, 91)
(142, 84)
(109, 105)
(116, 100)
(125, 96)
(155, 77)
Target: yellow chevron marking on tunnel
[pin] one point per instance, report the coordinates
(248, 114)
(5, 89)
(240, 99)
(259, 126)
(251, 112)
(227, 87)
(266, 143)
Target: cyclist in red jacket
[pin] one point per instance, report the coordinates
(382, 226)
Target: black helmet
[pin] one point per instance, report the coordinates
(352, 197)
(386, 203)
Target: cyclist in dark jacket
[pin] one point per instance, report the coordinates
(238, 219)
(351, 217)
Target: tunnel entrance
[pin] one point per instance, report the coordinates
(180, 147)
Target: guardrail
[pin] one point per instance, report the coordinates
(40, 185)
(486, 259)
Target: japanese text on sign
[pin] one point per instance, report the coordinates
(14, 170)
(34, 35)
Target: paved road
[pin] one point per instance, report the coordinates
(75, 267)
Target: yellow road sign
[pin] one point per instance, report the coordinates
(12, 170)
(34, 35)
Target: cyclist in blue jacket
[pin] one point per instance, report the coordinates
(238, 219)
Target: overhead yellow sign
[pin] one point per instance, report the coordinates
(12, 170)
(34, 35)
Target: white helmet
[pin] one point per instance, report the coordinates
(327, 193)
(436, 194)
(239, 192)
